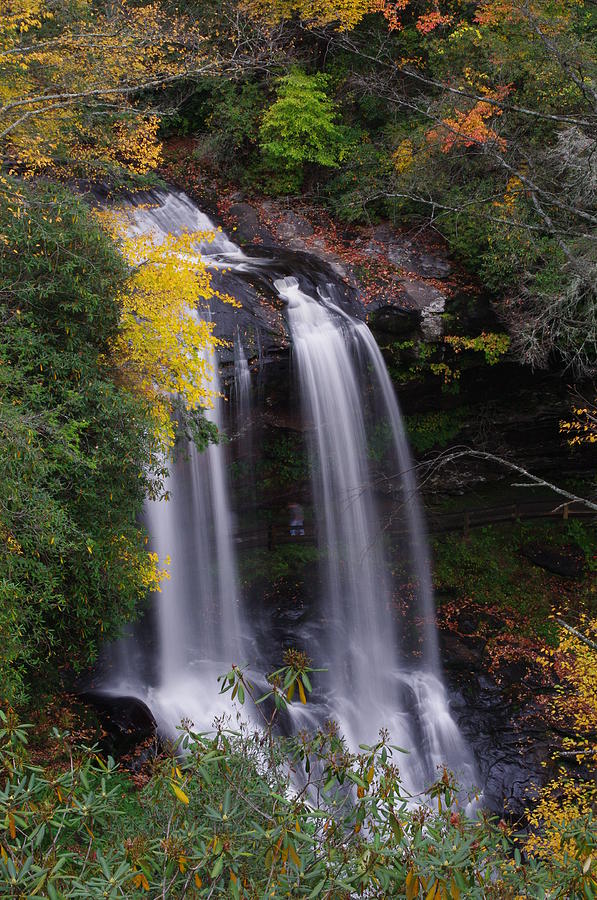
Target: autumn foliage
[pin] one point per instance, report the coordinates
(567, 797)
(343, 14)
(71, 75)
(164, 349)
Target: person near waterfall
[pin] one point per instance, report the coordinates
(297, 519)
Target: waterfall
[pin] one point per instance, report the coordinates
(376, 680)
(201, 630)
(200, 627)
(376, 606)
(163, 212)
(242, 382)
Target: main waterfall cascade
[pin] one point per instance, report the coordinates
(374, 683)
(383, 668)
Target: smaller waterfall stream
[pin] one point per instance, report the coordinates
(242, 381)
(200, 623)
(200, 626)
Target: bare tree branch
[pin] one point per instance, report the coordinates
(458, 453)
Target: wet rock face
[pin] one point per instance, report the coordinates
(509, 751)
(502, 722)
(260, 321)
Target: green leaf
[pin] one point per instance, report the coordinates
(217, 868)
(317, 889)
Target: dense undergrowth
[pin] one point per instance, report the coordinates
(242, 813)
(488, 567)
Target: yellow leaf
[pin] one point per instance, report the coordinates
(412, 886)
(179, 793)
(434, 892)
(141, 881)
(301, 690)
(294, 856)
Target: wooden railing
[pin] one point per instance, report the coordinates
(275, 535)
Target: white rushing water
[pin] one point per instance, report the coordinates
(381, 675)
(377, 681)
(201, 629)
(200, 624)
(242, 382)
(172, 212)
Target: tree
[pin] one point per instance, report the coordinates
(581, 428)
(162, 349)
(494, 144)
(78, 451)
(300, 127)
(568, 797)
(103, 356)
(343, 14)
(80, 81)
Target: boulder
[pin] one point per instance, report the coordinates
(426, 265)
(292, 226)
(567, 562)
(432, 321)
(394, 319)
(127, 722)
(249, 227)
(421, 295)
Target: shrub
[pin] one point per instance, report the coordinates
(243, 814)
